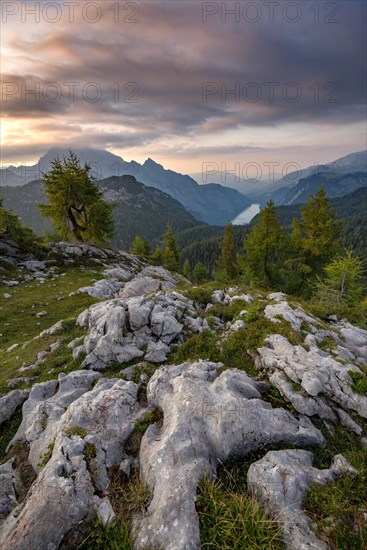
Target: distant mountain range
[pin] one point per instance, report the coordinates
(336, 185)
(212, 203)
(140, 210)
(298, 186)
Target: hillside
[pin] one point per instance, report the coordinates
(140, 210)
(124, 391)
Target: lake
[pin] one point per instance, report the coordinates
(247, 215)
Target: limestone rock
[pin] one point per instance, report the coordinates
(279, 482)
(65, 488)
(318, 375)
(103, 289)
(207, 418)
(10, 402)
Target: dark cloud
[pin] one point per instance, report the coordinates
(163, 64)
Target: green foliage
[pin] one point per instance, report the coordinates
(337, 509)
(200, 346)
(228, 313)
(200, 273)
(76, 430)
(343, 283)
(140, 247)
(234, 354)
(157, 256)
(149, 418)
(108, 537)
(128, 498)
(227, 267)
(359, 381)
(315, 239)
(186, 270)
(8, 431)
(12, 229)
(75, 204)
(202, 295)
(264, 248)
(171, 256)
(47, 455)
(232, 520)
(260, 329)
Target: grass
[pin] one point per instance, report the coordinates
(107, 537)
(47, 455)
(232, 520)
(43, 297)
(76, 430)
(339, 509)
(30, 298)
(359, 382)
(128, 498)
(8, 431)
(228, 313)
(327, 344)
(149, 418)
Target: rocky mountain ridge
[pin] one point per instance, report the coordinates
(131, 365)
(212, 203)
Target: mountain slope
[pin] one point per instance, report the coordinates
(140, 210)
(211, 203)
(336, 185)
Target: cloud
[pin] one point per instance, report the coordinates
(170, 74)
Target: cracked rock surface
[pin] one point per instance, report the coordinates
(207, 418)
(63, 417)
(120, 331)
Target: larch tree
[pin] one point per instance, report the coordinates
(75, 204)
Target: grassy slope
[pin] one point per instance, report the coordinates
(19, 323)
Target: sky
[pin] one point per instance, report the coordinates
(185, 82)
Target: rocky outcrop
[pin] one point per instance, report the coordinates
(120, 331)
(208, 417)
(279, 482)
(76, 433)
(314, 383)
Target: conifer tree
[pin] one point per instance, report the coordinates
(315, 239)
(186, 269)
(75, 204)
(140, 247)
(264, 248)
(171, 256)
(200, 273)
(227, 260)
(12, 229)
(157, 256)
(343, 283)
